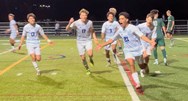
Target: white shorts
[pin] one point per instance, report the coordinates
(13, 36)
(108, 47)
(84, 46)
(33, 49)
(135, 56)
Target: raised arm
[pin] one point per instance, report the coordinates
(68, 27)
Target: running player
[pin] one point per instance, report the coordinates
(32, 31)
(85, 31)
(159, 24)
(108, 30)
(170, 27)
(148, 30)
(113, 10)
(132, 45)
(13, 30)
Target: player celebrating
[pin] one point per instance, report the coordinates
(32, 31)
(132, 46)
(13, 30)
(113, 10)
(108, 30)
(159, 24)
(170, 27)
(148, 30)
(85, 31)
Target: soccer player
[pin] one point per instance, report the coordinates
(170, 27)
(113, 10)
(13, 30)
(132, 45)
(148, 30)
(85, 31)
(32, 31)
(159, 24)
(108, 30)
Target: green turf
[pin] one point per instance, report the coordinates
(63, 79)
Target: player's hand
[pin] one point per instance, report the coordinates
(7, 31)
(71, 20)
(99, 46)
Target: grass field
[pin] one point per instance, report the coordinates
(65, 79)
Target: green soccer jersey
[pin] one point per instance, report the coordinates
(170, 20)
(158, 23)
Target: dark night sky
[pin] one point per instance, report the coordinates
(64, 9)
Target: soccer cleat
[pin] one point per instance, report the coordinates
(139, 90)
(88, 72)
(108, 64)
(38, 72)
(165, 62)
(142, 72)
(156, 63)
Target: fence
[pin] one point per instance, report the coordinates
(181, 27)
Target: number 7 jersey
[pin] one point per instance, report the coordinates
(32, 33)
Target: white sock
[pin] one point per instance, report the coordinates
(156, 60)
(142, 70)
(35, 65)
(108, 59)
(165, 60)
(135, 78)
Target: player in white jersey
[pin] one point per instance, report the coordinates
(13, 30)
(149, 31)
(108, 30)
(85, 31)
(32, 31)
(132, 45)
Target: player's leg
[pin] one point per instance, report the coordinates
(12, 41)
(81, 50)
(119, 44)
(113, 46)
(162, 48)
(90, 52)
(131, 60)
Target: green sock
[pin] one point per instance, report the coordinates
(164, 53)
(85, 64)
(155, 53)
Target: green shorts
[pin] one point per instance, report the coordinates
(160, 42)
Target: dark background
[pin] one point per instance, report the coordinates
(64, 9)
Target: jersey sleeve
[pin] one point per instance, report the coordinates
(154, 34)
(103, 28)
(137, 31)
(24, 32)
(41, 31)
(73, 26)
(116, 35)
(162, 23)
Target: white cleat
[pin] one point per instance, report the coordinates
(108, 64)
(156, 63)
(38, 72)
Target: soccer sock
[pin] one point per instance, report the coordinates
(91, 60)
(155, 53)
(85, 64)
(35, 65)
(135, 78)
(164, 53)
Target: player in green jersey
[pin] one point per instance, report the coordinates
(170, 27)
(159, 24)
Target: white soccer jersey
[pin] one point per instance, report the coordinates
(131, 38)
(82, 30)
(32, 33)
(109, 29)
(12, 26)
(147, 32)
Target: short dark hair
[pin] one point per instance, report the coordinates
(109, 14)
(150, 15)
(31, 15)
(125, 14)
(154, 11)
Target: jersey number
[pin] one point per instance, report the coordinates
(83, 30)
(110, 30)
(126, 39)
(32, 34)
